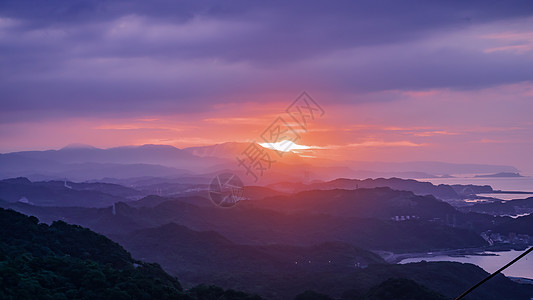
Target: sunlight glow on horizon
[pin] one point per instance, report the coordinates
(285, 146)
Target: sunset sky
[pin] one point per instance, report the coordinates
(397, 80)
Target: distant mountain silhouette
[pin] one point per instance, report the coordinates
(197, 185)
(206, 257)
(501, 174)
(250, 225)
(430, 167)
(148, 154)
(84, 162)
(283, 271)
(382, 203)
(442, 191)
(63, 193)
(78, 146)
(81, 163)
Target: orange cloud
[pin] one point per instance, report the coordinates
(434, 133)
(491, 141)
(375, 144)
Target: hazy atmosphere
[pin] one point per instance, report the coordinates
(248, 150)
(407, 81)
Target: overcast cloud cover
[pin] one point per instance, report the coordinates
(419, 79)
(83, 57)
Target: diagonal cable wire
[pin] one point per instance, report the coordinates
(494, 274)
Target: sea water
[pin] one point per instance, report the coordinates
(522, 268)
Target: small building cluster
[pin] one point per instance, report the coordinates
(512, 238)
(404, 218)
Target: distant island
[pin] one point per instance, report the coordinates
(446, 176)
(501, 174)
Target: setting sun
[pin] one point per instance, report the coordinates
(285, 146)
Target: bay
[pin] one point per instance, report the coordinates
(522, 268)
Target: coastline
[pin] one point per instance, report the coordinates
(394, 258)
(488, 259)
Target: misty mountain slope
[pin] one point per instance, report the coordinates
(193, 254)
(441, 191)
(208, 257)
(149, 154)
(111, 189)
(417, 187)
(82, 171)
(383, 203)
(212, 250)
(268, 269)
(196, 194)
(232, 149)
(256, 268)
(88, 163)
(101, 220)
(431, 167)
(248, 225)
(197, 198)
(171, 188)
(59, 193)
(96, 171)
(93, 163)
(281, 271)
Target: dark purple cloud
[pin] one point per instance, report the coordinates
(91, 57)
(285, 30)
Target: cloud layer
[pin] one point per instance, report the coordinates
(94, 57)
(120, 72)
